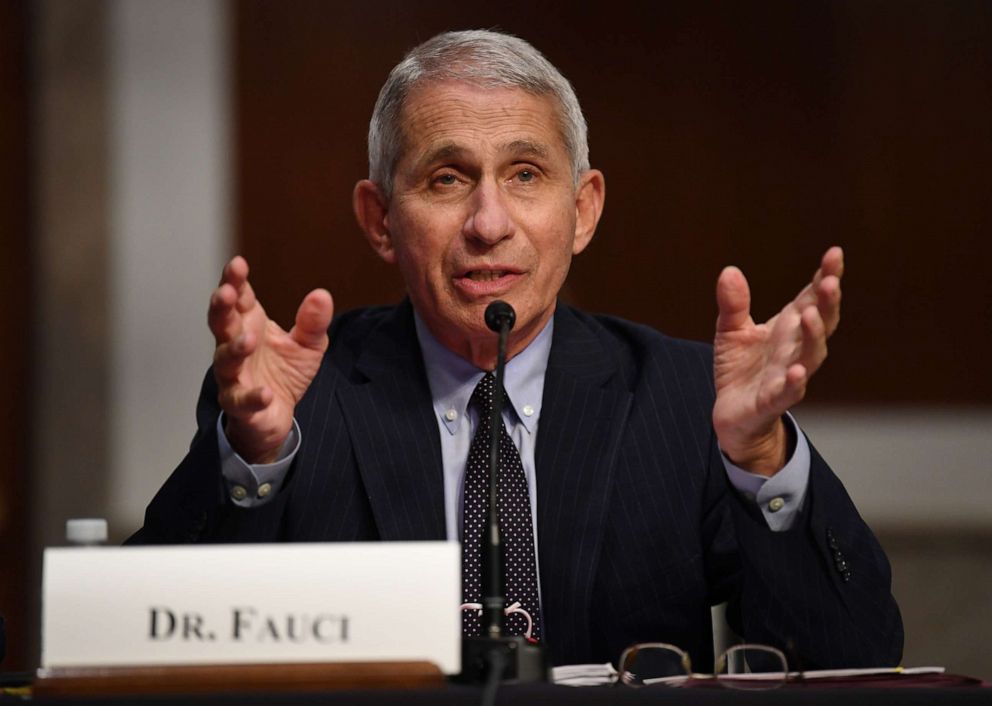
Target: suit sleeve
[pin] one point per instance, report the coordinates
(192, 506)
(822, 590)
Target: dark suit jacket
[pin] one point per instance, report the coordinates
(638, 529)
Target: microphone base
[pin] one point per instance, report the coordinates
(526, 663)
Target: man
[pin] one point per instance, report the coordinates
(658, 476)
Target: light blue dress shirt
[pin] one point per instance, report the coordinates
(452, 380)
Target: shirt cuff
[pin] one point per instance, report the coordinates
(253, 485)
(781, 497)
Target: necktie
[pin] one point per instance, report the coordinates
(515, 526)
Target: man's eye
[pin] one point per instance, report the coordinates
(446, 179)
(526, 175)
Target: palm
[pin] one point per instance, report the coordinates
(749, 369)
(281, 364)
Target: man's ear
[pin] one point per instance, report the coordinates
(371, 212)
(590, 197)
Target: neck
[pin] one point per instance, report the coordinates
(481, 350)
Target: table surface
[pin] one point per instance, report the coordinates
(518, 695)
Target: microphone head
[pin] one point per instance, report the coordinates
(498, 313)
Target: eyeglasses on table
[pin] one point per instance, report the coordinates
(746, 666)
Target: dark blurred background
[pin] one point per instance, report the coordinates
(748, 133)
(756, 134)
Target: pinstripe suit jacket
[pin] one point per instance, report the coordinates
(639, 531)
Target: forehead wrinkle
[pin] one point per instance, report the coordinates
(448, 129)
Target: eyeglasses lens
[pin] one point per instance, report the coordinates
(752, 667)
(643, 666)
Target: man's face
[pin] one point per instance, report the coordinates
(484, 207)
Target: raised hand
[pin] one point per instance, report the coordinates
(761, 370)
(262, 371)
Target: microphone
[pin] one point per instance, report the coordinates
(496, 657)
(497, 314)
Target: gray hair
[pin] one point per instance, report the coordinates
(482, 58)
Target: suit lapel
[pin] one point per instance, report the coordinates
(583, 414)
(394, 432)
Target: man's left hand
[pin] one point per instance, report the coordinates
(761, 370)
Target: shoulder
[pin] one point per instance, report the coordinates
(354, 325)
(668, 381)
(380, 337)
(635, 349)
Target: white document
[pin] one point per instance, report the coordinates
(226, 604)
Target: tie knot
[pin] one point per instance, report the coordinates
(484, 395)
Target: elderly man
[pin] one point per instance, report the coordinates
(645, 478)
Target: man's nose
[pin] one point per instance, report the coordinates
(489, 219)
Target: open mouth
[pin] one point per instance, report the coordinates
(487, 282)
(485, 275)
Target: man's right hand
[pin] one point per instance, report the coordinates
(261, 370)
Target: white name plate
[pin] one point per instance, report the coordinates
(228, 604)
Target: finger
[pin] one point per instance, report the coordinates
(733, 298)
(786, 342)
(313, 318)
(246, 296)
(229, 358)
(828, 298)
(239, 402)
(784, 392)
(832, 262)
(814, 341)
(796, 379)
(235, 272)
(222, 316)
(831, 267)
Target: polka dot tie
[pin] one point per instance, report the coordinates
(515, 526)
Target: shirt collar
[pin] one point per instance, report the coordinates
(452, 378)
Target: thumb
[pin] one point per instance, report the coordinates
(733, 297)
(313, 318)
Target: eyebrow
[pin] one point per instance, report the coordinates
(526, 148)
(443, 152)
(450, 150)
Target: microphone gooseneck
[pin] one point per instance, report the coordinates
(500, 318)
(494, 657)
